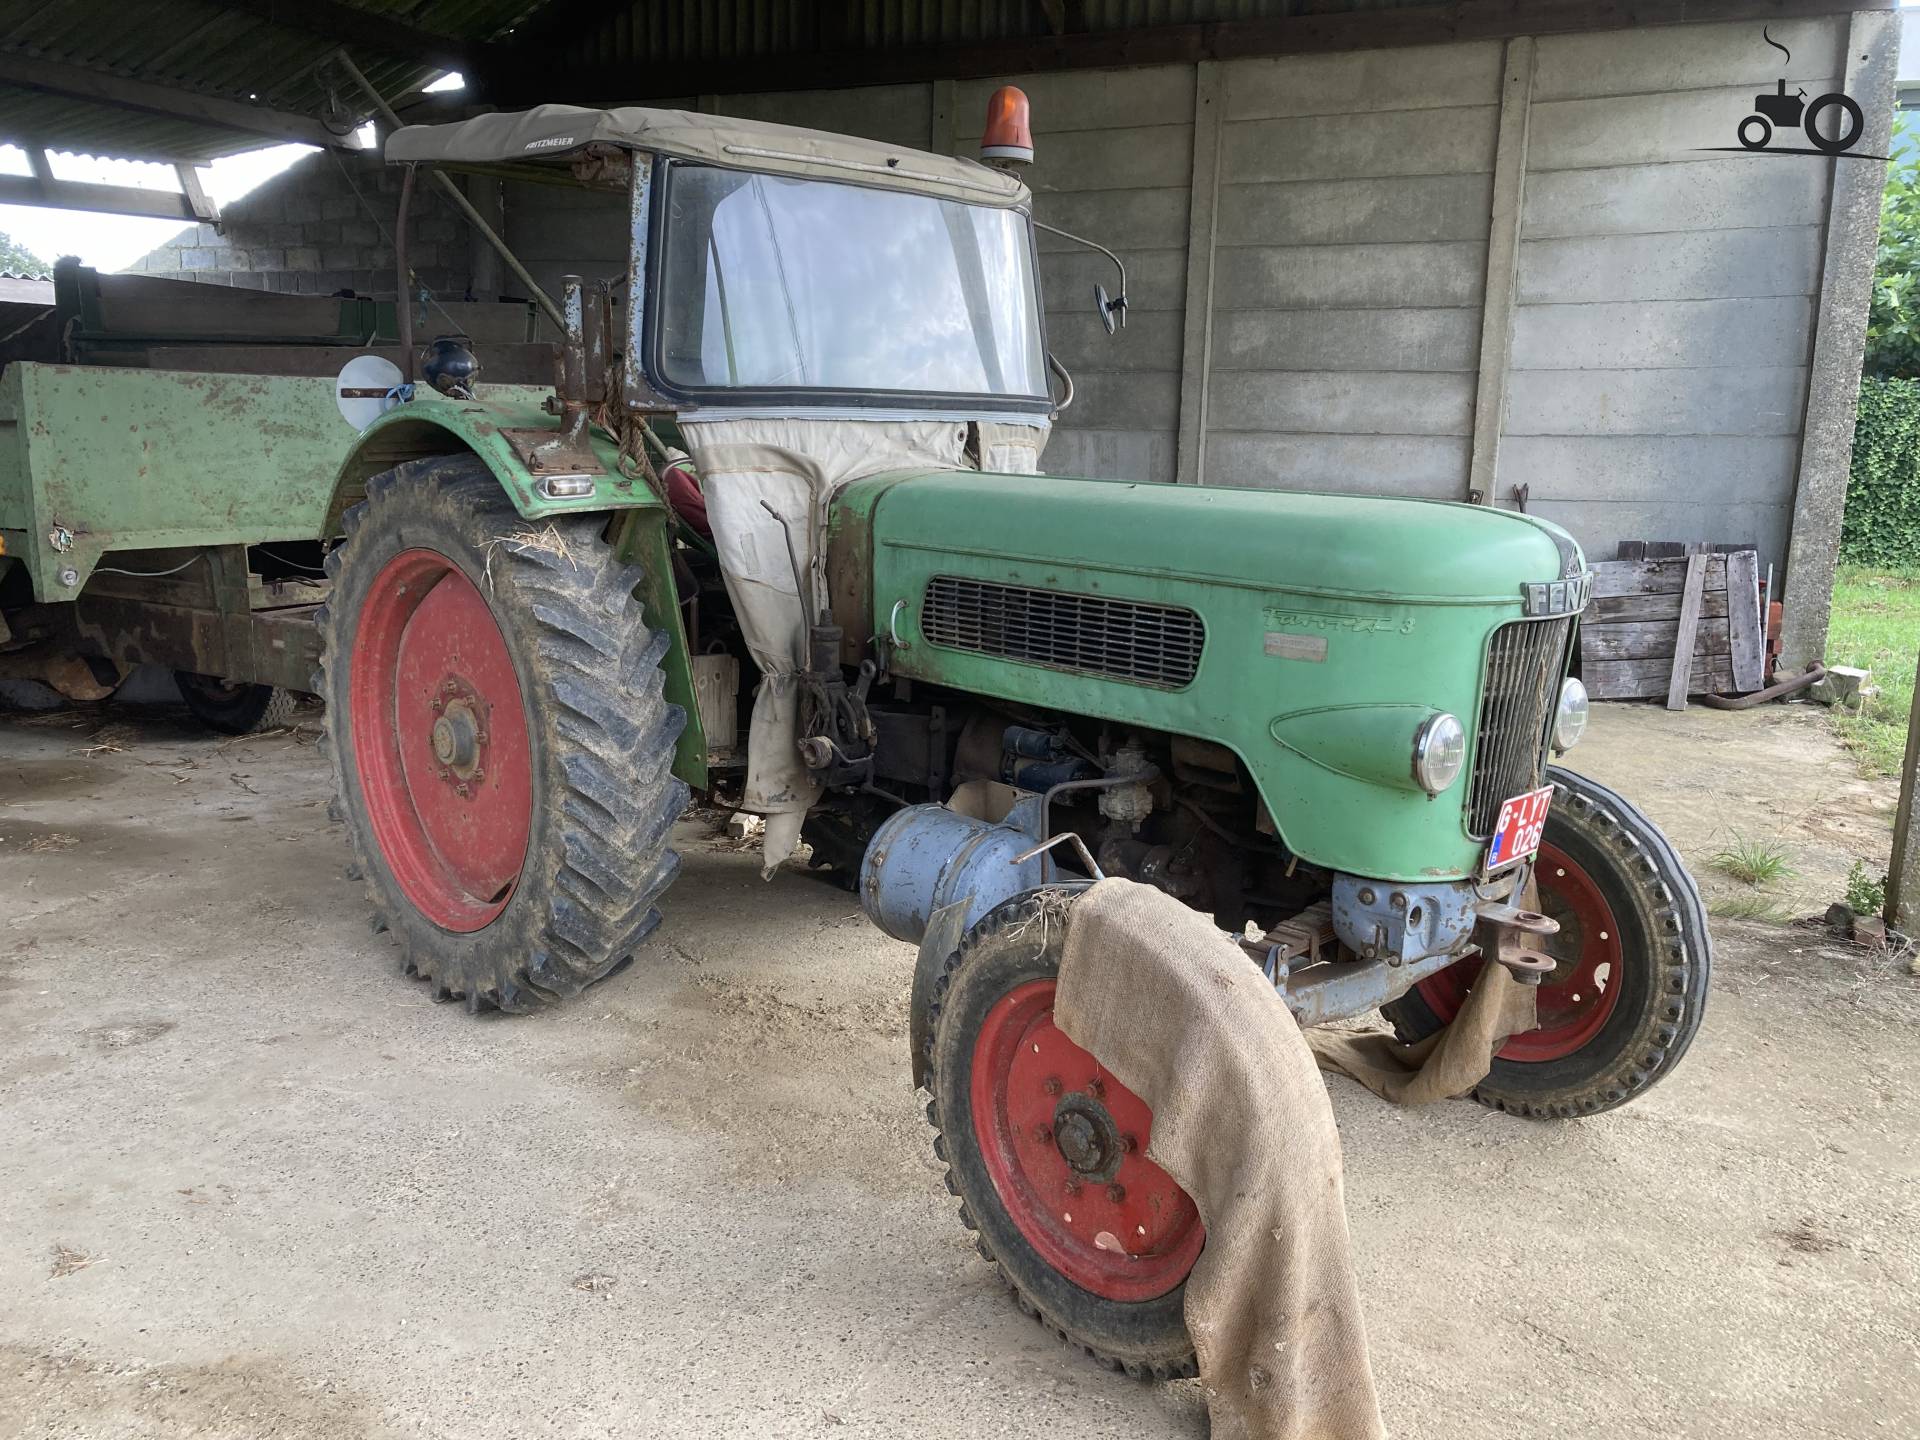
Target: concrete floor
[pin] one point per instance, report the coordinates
(258, 1186)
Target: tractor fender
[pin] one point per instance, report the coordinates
(487, 427)
(435, 425)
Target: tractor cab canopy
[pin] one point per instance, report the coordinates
(796, 271)
(558, 132)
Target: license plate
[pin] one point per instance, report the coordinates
(1523, 820)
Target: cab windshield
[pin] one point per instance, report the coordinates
(775, 285)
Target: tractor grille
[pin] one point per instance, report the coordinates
(1156, 645)
(1524, 664)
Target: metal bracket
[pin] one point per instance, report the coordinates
(1086, 855)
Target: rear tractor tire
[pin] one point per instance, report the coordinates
(240, 709)
(1046, 1151)
(501, 744)
(1632, 962)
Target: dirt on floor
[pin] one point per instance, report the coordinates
(259, 1186)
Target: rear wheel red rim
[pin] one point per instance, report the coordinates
(1577, 999)
(1065, 1146)
(440, 740)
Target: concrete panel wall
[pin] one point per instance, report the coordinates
(1349, 265)
(1334, 227)
(1114, 162)
(1666, 292)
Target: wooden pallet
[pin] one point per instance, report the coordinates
(1632, 633)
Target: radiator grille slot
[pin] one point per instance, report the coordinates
(1524, 665)
(1143, 644)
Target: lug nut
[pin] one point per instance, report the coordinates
(1129, 1144)
(1043, 1133)
(1096, 1088)
(464, 792)
(1116, 1193)
(1051, 1085)
(1072, 1187)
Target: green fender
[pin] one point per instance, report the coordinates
(435, 425)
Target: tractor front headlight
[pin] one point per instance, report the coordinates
(1439, 752)
(1570, 721)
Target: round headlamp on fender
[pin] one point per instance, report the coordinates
(1570, 720)
(1439, 752)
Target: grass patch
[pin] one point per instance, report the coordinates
(1751, 907)
(1753, 862)
(1876, 626)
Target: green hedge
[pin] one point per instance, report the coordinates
(1882, 527)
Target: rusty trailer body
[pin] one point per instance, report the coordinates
(171, 455)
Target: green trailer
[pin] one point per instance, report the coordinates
(787, 469)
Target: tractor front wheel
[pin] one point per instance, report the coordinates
(500, 741)
(1047, 1152)
(1631, 965)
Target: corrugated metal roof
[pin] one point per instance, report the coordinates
(659, 31)
(209, 48)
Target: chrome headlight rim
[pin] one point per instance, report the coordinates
(1570, 715)
(1439, 752)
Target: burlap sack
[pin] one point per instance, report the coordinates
(1241, 1118)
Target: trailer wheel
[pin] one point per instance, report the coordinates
(502, 749)
(1633, 961)
(1046, 1151)
(240, 709)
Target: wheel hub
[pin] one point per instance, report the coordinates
(457, 735)
(1087, 1138)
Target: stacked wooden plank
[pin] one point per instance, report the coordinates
(1672, 627)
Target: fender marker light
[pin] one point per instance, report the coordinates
(1008, 140)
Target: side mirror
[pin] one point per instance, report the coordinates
(1113, 313)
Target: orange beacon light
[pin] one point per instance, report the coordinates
(1009, 138)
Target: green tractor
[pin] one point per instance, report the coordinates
(789, 468)
(798, 441)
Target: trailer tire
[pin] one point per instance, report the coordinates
(1626, 902)
(1011, 958)
(501, 743)
(241, 709)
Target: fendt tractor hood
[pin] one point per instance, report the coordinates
(1310, 634)
(1358, 547)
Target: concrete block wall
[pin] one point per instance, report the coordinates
(324, 224)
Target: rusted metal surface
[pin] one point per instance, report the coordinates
(403, 274)
(567, 449)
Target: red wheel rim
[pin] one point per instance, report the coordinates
(1110, 1220)
(1575, 1001)
(440, 740)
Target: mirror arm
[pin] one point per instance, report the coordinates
(1120, 300)
(1065, 379)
